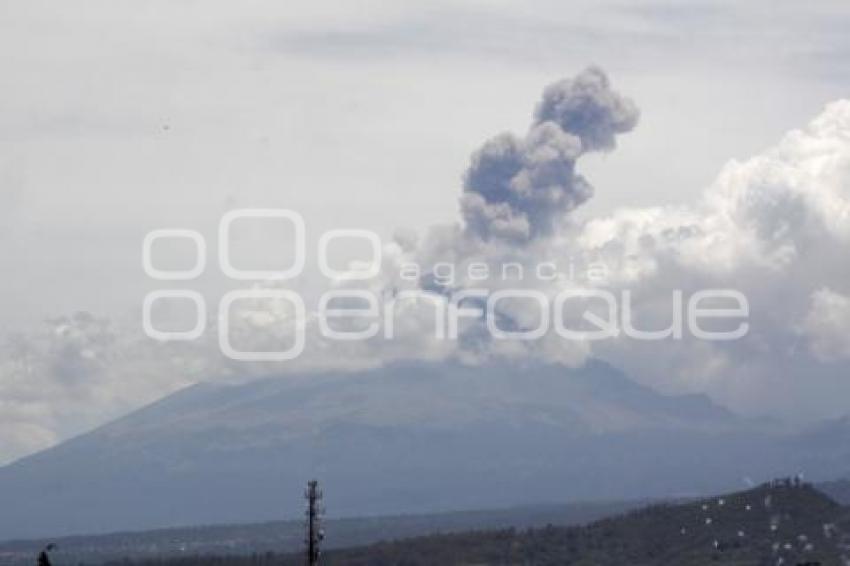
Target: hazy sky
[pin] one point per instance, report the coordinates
(118, 117)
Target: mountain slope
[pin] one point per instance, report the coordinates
(404, 438)
(839, 490)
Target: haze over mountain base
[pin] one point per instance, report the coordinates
(401, 439)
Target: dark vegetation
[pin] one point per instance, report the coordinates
(283, 537)
(782, 523)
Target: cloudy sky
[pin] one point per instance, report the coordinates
(120, 117)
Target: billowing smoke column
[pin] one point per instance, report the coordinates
(517, 189)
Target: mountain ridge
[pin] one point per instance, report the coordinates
(399, 439)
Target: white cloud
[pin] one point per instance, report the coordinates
(775, 227)
(827, 325)
(82, 370)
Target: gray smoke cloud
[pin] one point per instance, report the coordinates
(517, 189)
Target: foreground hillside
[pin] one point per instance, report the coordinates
(288, 536)
(776, 524)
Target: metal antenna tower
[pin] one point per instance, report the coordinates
(315, 534)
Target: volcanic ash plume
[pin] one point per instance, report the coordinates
(517, 189)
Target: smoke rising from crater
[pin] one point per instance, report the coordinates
(518, 188)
